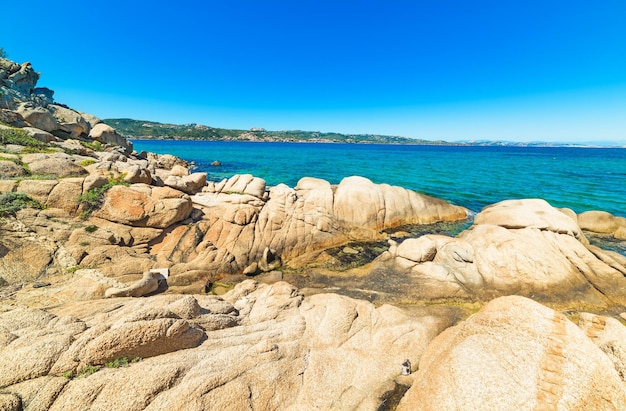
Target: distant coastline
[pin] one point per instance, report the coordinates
(151, 130)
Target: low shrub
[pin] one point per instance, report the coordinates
(86, 162)
(93, 145)
(121, 362)
(10, 203)
(20, 137)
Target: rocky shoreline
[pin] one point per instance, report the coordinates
(128, 281)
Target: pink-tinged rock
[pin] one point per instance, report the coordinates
(141, 205)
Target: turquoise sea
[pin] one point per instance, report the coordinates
(472, 176)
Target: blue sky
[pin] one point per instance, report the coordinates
(453, 70)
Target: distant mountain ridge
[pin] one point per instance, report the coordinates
(152, 130)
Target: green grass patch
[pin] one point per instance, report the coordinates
(93, 145)
(91, 228)
(87, 370)
(86, 162)
(122, 362)
(10, 203)
(22, 138)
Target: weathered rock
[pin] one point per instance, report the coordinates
(56, 166)
(107, 134)
(514, 354)
(382, 206)
(141, 205)
(539, 251)
(69, 120)
(137, 174)
(38, 117)
(6, 186)
(23, 259)
(609, 335)
(149, 283)
(42, 339)
(189, 184)
(90, 119)
(239, 184)
(419, 250)
(141, 339)
(603, 223)
(9, 169)
(166, 161)
(65, 194)
(528, 213)
(23, 80)
(37, 189)
(10, 402)
(40, 135)
(11, 118)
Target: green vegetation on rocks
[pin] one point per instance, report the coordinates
(10, 203)
(92, 199)
(154, 130)
(20, 137)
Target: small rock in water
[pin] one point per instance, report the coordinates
(216, 163)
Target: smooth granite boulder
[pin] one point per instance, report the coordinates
(515, 354)
(523, 247)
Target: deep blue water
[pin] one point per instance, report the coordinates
(578, 178)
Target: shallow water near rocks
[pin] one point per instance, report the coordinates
(471, 176)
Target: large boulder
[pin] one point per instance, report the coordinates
(521, 247)
(69, 121)
(603, 223)
(515, 354)
(56, 166)
(9, 117)
(106, 134)
(189, 184)
(38, 117)
(382, 206)
(141, 205)
(240, 184)
(23, 80)
(40, 135)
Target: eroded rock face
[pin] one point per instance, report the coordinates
(521, 247)
(295, 221)
(141, 205)
(24, 104)
(107, 134)
(515, 354)
(207, 352)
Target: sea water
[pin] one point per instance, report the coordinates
(578, 178)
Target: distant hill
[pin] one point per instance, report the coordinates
(140, 129)
(152, 130)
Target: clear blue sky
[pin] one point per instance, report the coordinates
(547, 70)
